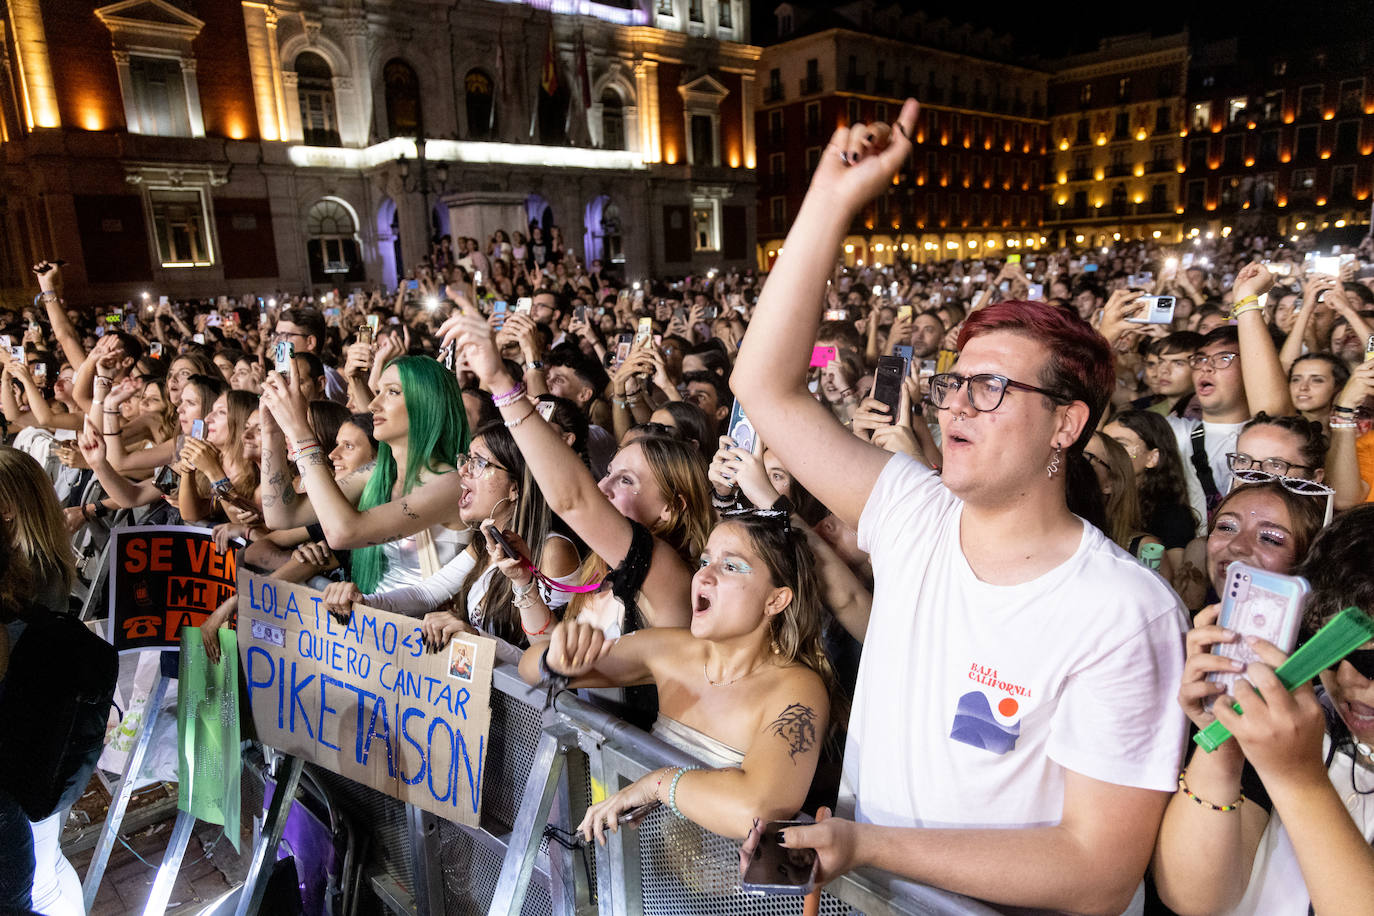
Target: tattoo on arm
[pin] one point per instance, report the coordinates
(797, 726)
(407, 511)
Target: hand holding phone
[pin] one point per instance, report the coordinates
(1256, 602)
(774, 870)
(823, 356)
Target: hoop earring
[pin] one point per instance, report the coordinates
(1053, 467)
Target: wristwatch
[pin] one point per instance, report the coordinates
(534, 365)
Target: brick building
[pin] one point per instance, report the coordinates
(198, 148)
(974, 181)
(1297, 155)
(1117, 115)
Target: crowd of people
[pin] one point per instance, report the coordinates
(938, 548)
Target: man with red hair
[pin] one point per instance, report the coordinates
(1013, 735)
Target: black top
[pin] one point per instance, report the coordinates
(1174, 525)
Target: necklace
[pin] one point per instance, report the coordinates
(732, 680)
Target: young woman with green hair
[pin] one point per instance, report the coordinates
(398, 519)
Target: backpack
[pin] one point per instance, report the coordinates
(54, 709)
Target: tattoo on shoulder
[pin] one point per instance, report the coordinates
(797, 726)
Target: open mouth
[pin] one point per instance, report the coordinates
(701, 605)
(465, 500)
(1205, 388)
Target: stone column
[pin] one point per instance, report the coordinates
(192, 90)
(126, 90)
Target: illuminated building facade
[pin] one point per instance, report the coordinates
(1292, 157)
(216, 147)
(1117, 115)
(973, 183)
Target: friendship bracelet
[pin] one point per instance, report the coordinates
(1337, 408)
(1241, 310)
(293, 453)
(1342, 424)
(306, 452)
(1183, 787)
(511, 424)
(672, 791)
(507, 398)
(542, 630)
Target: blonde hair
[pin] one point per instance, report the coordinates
(238, 407)
(38, 532)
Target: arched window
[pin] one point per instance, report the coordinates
(332, 248)
(481, 105)
(403, 115)
(612, 120)
(315, 86)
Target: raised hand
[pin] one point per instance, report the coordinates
(860, 160)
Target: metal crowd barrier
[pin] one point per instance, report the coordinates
(540, 770)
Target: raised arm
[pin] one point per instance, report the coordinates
(1266, 381)
(1342, 458)
(567, 485)
(1302, 321)
(49, 279)
(770, 375)
(124, 492)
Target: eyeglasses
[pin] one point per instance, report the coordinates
(1298, 485)
(985, 391)
(1215, 360)
(1362, 660)
(475, 465)
(1239, 461)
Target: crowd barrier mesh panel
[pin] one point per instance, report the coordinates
(515, 731)
(383, 816)
(471, 871)
(684, 869)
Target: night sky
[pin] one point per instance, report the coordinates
(1050, 30)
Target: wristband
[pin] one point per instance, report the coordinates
(505, 399)
(220, 486)
(1247, 304)
(534, 365)
(1342, 424)
(1337, 408)
(294, 453)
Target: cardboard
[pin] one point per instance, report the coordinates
(364, 699)
(163, 578)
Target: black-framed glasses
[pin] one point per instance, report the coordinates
(1362, 660)
(1239, 461)
(1215, 360)
(475, 465)
(985, 391)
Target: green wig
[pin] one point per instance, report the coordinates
(438, 435)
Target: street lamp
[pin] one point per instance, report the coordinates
(428, 179)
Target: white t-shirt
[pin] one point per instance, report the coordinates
(973, 699)
(1220, 438)
(1276, 885)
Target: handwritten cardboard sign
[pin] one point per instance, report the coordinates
(163, 578)
(364, 699)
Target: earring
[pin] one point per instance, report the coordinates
(1053, 467)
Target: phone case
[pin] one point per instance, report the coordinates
(887, 382)
(774, 870)
(741, 430)
(1256, 602)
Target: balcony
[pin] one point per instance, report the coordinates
(1080, 174)
(958, 98)
(884, 86)
(810, 85)
(772, 93)
(1118, 171)
(981, 102)
(1161, 165)
(856, 82)
(933, 94)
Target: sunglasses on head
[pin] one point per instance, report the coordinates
(1362, 660)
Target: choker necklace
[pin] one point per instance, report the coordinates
(732, 680)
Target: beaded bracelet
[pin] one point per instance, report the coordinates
(1183, 787)
(672, 791)
(505, 399)
(511, 424)
(1342, 424)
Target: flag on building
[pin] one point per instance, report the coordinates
(584, 82)
(548, 77)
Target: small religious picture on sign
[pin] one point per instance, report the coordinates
(462, 657)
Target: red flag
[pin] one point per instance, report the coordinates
(548, 78)
(583, 79)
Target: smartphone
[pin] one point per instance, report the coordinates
(1013, 259)
(197, 429)
(580, 314)
(1036, 292)
(524, 304)
(904, 313)
(927, 368)
(496, 537)
(131, 321)
(1369, 349)
(635, 815)
(1256, 602)
(645, 331)
(836, 315)
(773, 870)
(6, 342)
(412, 284)
(500, 307)
(18, 353)
(622, 347)
(198, 338)
(1279, 268)
(1090, 268)
(40, 372)
(545, 410)
(286, 351)
(166, 480)
(213, 320)
(679, 314)
(823, 356)
(155, 349)
(887, 383)
(446, 357)
(712, 312)
(1330, 267)
(1158, 310)
(741, 430)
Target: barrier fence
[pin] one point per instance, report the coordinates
(540, 770)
